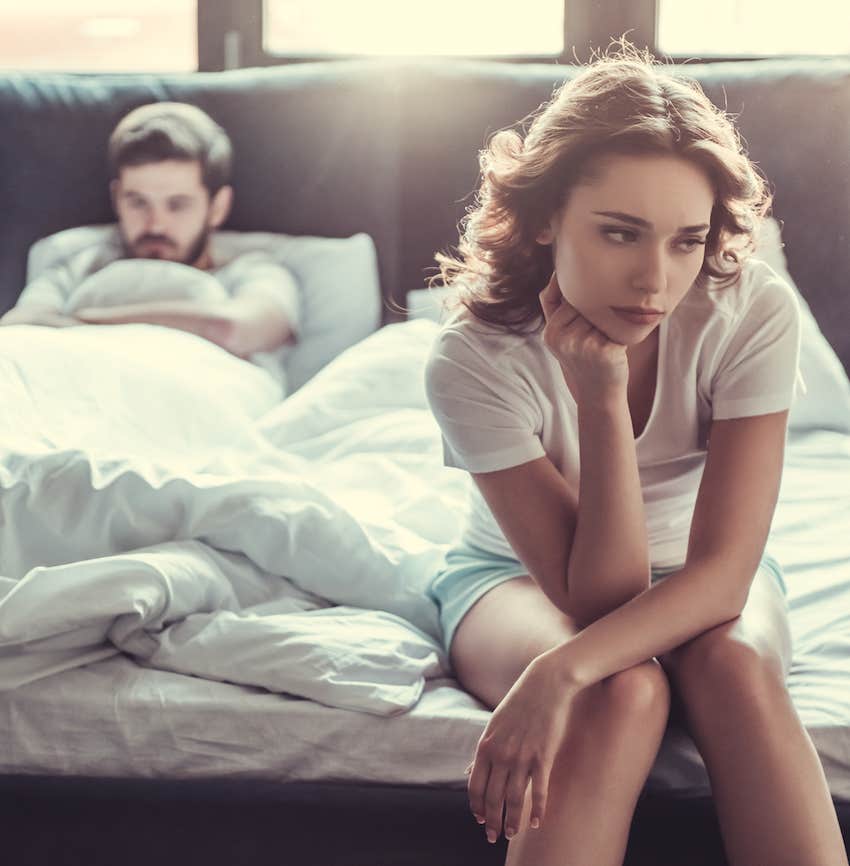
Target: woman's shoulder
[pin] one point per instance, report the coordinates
(484, 362)
(464, 335)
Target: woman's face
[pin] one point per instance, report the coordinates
(630, 241)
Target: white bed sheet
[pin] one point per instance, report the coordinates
(117, 718)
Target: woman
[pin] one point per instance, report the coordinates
(662, 362)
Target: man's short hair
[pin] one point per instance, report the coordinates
(172, 130)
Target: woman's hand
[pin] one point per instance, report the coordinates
(594, 366)
(518, 747)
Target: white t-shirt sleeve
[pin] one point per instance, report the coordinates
(51, 289)
(487, 414)
(758, 367)
(257, 273)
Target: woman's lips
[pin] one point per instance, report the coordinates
(637, 316)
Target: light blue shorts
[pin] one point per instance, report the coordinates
(469, 572)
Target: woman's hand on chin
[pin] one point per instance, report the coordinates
(518, 748)
(595, 367)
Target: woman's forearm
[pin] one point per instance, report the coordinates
(609, 558)
(669, 613)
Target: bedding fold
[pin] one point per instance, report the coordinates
(243, 561)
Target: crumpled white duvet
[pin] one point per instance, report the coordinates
(156, 501)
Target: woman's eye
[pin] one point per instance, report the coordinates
(688, 245)
(620, 236)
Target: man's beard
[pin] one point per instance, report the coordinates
(193, 253)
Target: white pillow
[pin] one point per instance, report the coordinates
(826, 402)
(338, 278)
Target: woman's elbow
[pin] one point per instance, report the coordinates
(589, 601)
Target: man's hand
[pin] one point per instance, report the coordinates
(45, 316)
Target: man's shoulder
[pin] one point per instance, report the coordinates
(235, 249)
(236, 264)
(76, 252)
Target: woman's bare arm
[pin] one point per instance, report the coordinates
(731, 521)
(536, 510)
(586, 549)
(609, 560)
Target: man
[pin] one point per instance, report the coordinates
(170, 167)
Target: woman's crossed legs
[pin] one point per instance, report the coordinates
(767, 781)
(611, 741)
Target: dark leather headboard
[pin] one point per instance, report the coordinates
(315, 152)
(390, 148)
(794, 116)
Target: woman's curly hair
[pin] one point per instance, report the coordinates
(622, 103)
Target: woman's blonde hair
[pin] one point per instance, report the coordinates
(623, 103)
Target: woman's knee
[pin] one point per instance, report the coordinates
(639, 694)
(721, 663)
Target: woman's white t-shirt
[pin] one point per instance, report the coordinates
(725, 352)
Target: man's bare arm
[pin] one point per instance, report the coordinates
(243, 325)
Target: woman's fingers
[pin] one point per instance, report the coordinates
(515, 800)
(477, 787)
(539, 794)
(494, 800)
(499, 789)
(557, 310)
(551, 297)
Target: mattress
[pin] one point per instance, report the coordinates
(118, 718)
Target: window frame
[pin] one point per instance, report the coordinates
(230, 35)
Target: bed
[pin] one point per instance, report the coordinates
(138, 741)
(349, 699)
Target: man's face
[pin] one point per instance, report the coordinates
(165, 211)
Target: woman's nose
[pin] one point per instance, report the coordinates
(650, 274)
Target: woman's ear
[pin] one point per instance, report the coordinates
(545, 236)
(548, 233)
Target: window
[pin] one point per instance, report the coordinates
(99, 35)
(471, 27)
(753, 27)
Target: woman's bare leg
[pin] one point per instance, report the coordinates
(768, 785)
(611, 741)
